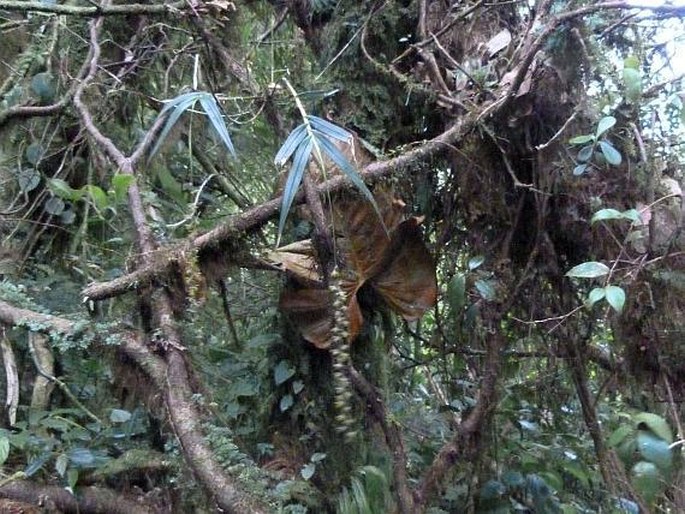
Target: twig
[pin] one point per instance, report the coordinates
(92, 11)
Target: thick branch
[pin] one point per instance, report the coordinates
(93, 10)
(88, 500)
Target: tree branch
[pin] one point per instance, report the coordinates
(93, 10)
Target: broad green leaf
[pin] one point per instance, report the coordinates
(98, 196)
(606, 214)
(341, 161)
(486, 289)
(619, 435)
(492, 489)
(329, 129)
(72, 478)
(632, 215)
(595, 295)
(308, 470)
(213, 112)
(612, 155)
(475, 262)
(37, 463)
(576, 471)
(605, 124)
(656, 424)
(120, 184)
(54, 205)
(34, 153)
(646, 479)
(292, 183)
(512, 479)
(177, 106)
(119, 416)
(581, 140)
(655, 450)
(616, 297)
(292, 142)
(286, 402)
(4, 448)
(580, 169)
(43, 85)
(28, 180)
(64, 190)
(81, 457)
(170, 185)
(588, 270)
(585, 153)
(456, 293)
(633, 84)
(282, 372)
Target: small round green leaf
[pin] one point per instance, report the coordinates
(456, 292)
(633, 84)
(286, 402)
(588, 270)
(647, 479)
(616, 297)
(54, 206)
(42, 84)
(486, 288)
(610, 153)
(119, 416)
(605, 124)
(308, 470)
(595, 295)
(34, 152)
(580, 169)
(585, 153)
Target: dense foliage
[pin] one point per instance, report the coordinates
(354, 257)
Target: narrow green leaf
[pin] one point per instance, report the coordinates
(213, 112)
(61, 464)
(585, 153)
(292, 142)
(4, 449)
(612, 155)
(595, 295)
(475, 262)
(605, 124)
(317, 457)
(656, 424)
(616, 297)
(633, 84)
(588, 270)
(346, 167)
(619, 435)
(292, 183)
(581, 140)
(632, 215)
(329, 129)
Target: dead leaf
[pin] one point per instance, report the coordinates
(499, 42)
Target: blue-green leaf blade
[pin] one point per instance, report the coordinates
(605, 124)
(292, 183)
(294, 139)
(213, 112)
(346, 167)
(177, 106)
(329, 129)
